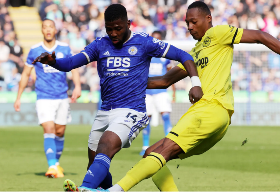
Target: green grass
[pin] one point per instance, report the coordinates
(228, 166)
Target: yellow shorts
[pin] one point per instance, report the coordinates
(200, 128)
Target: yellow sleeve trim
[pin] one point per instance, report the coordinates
(181, 66)
(238, 36)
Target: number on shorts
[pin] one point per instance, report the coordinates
(133, 117)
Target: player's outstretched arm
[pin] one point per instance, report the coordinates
(64, 64)
(76, 80)
(256, 36)
(22, 84)
(162, 82)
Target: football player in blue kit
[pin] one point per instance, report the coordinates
(123, 60)
(158, 100)
(52, 103)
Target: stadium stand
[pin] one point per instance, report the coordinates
(80, 21)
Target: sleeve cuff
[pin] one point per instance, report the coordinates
(29, 65)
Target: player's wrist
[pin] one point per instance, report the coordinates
(195, 81)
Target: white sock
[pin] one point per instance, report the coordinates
(57, 163)
(145, 147)
(53, 166)
(116, 187)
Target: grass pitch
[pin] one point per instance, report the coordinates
(228, 166)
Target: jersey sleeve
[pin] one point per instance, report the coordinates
(181, 66)
(227, 34)
(30, 58)
(91, 51)
(156, 48)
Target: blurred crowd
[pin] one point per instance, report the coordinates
(79, 22)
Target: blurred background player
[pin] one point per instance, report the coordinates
(52, 101)
(158, 100)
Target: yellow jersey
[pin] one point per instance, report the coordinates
(213, 57)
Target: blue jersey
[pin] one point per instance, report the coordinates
(158, 67)
(50, 83)
(124, 71)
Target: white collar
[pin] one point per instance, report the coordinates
(51, 49)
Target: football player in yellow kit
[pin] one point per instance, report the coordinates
(206, 122)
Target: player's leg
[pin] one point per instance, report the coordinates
(46, 111)
(123, 128)
(163, 179)
(163, 104)
(201, 123)
(59, 142)
(62, 117)
(146, 132)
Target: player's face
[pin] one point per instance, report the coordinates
(117, 31)
(48, 30)
(198, 22)
(157, 36)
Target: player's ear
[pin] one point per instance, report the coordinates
(209, 18)
(128, 23)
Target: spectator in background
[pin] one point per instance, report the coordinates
(16, 55)
(45, 8)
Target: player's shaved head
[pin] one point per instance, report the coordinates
(201, 6)
(49, 30)
(198, 19)
(115, 12)
(46, 19)
(116, 24)
(157, 34)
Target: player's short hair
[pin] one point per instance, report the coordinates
(115, 12)
(158, 32)
(46, 19)
(201, 6)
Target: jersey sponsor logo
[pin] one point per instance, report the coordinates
(59, 55)
(106, 53)
(49, 69)
(206, 42)
(132, 50)
(118, 62)
(161, 43)
(202, 62)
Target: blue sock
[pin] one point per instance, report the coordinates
(50, 148)
(59, 142)
(146, 136)
(97, 172)
(166, 123)
(107, 182)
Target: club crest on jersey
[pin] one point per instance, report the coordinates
(206, 42)
(59, 55)
(132, 50)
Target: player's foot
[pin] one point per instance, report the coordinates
(69, 185)
(59, 172)
(60, 168)
(51, 173)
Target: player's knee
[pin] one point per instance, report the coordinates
(108, 149)
(49, 129)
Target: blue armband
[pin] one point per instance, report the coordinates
(67, 64)
(178, 55)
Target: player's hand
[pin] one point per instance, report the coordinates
(46, 58)
(195, 94)
(17, 105)
(76, 94)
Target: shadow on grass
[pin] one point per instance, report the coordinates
(43, 174)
